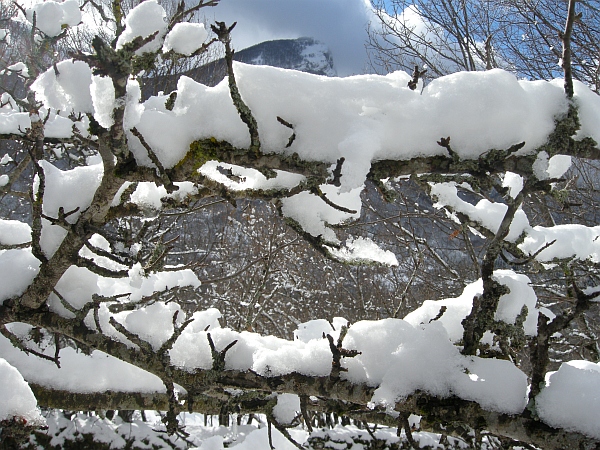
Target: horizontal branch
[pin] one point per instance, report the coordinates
(446, 165)
(347, 396)
(492, 161)
(209, 149)
(450, 412)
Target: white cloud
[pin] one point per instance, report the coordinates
(341, 24)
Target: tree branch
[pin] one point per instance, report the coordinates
(572, 17)
(224, 34)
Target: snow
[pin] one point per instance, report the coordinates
(153, 323)
(98, 372)
(78, 285)
(19, 67)
(69, 91)
(6, 159)
(316, 328)
(513, 182)
(396, 357)
(148, 196)
(558, 165)
(260, 439)
(287, 408)
(379, 115)
(18, 268)
(423, 358)
(456, 310)
(495, 384)
(362, 119)
(249, 178)
(14, 232)
(520, 295)
(571, 398)
(588, 109)
(63, 432)
(488, 214)
(51, 16)
(555, 167)
(157, 282)
(142, 21)
(103, 99)
(69, 189)
(61, 127)
(570, 241)
(540, 166)
(321, 213)
(17, 399)
(11, 122)
(115, 433)
(185, 38)
(509, 306)
(364, 250)
(212, 443)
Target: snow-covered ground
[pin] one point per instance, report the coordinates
(146, 434)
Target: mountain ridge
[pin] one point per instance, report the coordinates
(304, 54)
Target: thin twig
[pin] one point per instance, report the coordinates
(224, 34)
(159, 167)
(319, 193)
(18, 344)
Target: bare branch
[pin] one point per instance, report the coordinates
(572, 17)
(159, 167)
(319, 193)
(218, 357)
(143, 345)
(16, 342)
(224, 34)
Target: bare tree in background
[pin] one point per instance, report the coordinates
(448, 35)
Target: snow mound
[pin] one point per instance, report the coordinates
(571, 398)
(17, 399)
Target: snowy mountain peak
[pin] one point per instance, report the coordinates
(304, 54)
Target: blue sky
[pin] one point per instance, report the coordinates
(341, 24)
